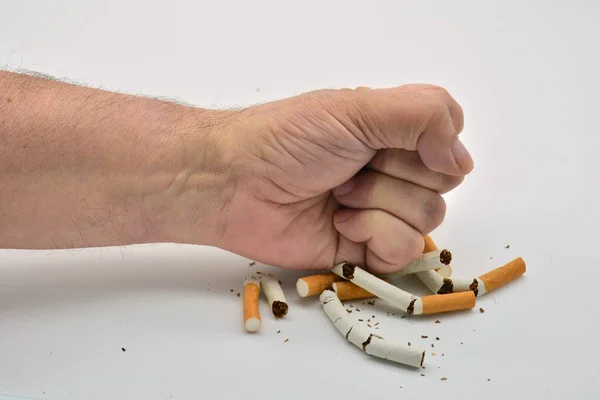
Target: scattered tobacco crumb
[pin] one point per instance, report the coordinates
(369, 320)
(361, 320)
(444, 379)
(252, 263)
(437, 321)
(377, 324)
(422, 374)
(491, 258)
(372, 303)
(280, 282)
(231, 290)
(432, 353)
(238, 294)
(376, 327)
(442, 354)
(461, 343)
(348, 310)
(409, 344)
(488, 379)
(404, 316)
(437, 338)
(481, 310)
(369, 325)
(123, 349)
(507, 246)
(373, 316)
(351, 306)
(424, 336)
(286, 340)
(432, 345)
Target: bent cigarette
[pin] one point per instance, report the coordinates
(428, 261)
(446, 270)
(274, 295)
(374, 345)
(385, 291)
(349, 291)
(250, 304)
(315, 284)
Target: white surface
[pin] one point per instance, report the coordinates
(526, 73)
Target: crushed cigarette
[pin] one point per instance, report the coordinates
(250, 304)
(274, 294)
(315, 284)
(370, 343)
(486, 283)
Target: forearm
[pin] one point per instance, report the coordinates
(83, 167)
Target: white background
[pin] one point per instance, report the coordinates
(526, 73)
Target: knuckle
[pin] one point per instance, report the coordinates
(435, 212)
(413, 247)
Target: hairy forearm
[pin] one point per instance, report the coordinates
(83, 167)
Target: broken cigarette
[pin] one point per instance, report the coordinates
(315, 284)
(499, 277)
(486, 283)
(250, 304)
(372, 344)
(397, 297)
(446, 270)
(427, 262)
(274, 294)
(385, 291)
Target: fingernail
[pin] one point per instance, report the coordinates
(462, 156)
(344, 188)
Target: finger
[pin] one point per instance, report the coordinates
(408, 166)
(406, 120)
(421, 208)
(456, 111)
(349, 251)
(393, 241)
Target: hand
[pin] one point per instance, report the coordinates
(349, 175)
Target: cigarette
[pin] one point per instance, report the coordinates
(446, 270)
(436, 304)
(250, 304)
(486, 283)
(372, 344)
(274, 295)
(315, 284)
(349, 291)
(427, 262)
(500, 276)
(380, 288)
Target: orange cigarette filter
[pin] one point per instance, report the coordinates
(504, 274)
(315, 284)
(347, 290)
(250, 303)
(441, 303)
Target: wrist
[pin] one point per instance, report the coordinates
(193, 180)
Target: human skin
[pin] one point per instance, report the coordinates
(305, 182)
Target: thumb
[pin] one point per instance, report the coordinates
(427, 121)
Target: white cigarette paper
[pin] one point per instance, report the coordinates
(426, 262)
(393, 295)
(371, 344)
(274, 294)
